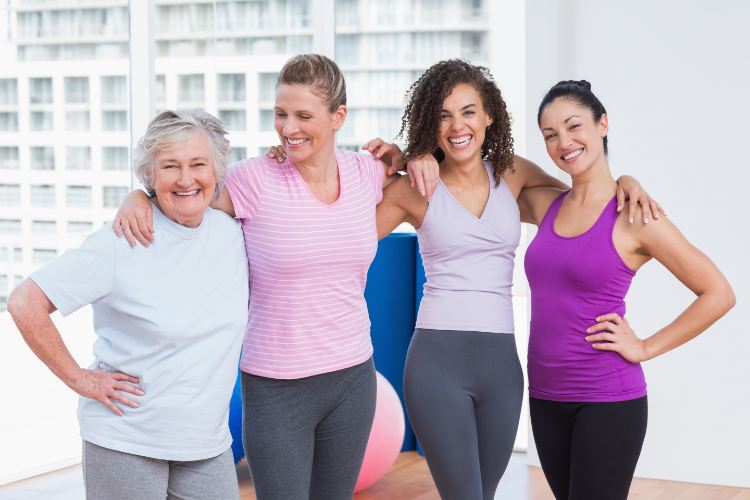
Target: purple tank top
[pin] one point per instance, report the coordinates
(574, 280)
(468, 262)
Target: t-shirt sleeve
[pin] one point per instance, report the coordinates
(81, 276)
(245, 181)
(374, 170)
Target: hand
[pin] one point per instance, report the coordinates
(277, 152)
(424, 173)
(135, 219)
(629, 188)
(621, 339)
(103, 386)
(389, 153)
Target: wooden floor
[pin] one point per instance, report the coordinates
(409, 479)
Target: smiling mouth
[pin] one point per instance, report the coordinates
(460, 141)
(573, 154)
(186, 193)
(296, 142)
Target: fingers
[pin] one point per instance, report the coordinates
(120, 397)
(277, 152)
(127, 232)
(620, 198)
(116, 226)
(646, 209)
(601, 337)
(613, 317)
(633, 206)
(419, 179)
(659, 210)
(603, 326)
(123, 376)
(122, 386)
(145, 227)
(139, 229)
(109, 404)
(411, 177)
(373, 144)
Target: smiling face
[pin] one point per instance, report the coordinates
(184, 180)
(463, 123)
(572, 136)
(304, 123)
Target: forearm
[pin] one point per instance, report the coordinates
(32, 317)
(702, 313)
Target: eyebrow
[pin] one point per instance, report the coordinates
(173, 160)
(566, 121)
(465, 107)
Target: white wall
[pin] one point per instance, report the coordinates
(674, 77)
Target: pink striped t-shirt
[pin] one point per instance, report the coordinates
(308, 265)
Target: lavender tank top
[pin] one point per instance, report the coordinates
(574, 280)
(468, 262)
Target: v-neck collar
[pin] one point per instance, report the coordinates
(481, 218)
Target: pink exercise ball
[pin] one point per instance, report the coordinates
(386, 436)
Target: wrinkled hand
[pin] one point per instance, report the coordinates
(135, 219)
(277, 152)
(629, 188)
(619, 338)
(103, 386)
(424, 173)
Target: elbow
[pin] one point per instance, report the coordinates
(15, 303)
(730, 299)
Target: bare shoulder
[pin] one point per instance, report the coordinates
(515, 177)
(536, 201)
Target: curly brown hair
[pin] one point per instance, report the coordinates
(420, 124)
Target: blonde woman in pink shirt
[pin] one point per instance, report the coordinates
(308, 379)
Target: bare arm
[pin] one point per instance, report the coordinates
(31, 309)
(224, 203)
(401, 203)
(715, 297)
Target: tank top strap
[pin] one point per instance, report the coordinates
(548, 220)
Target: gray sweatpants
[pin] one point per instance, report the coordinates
(306, 438)
(463, 393)
(114, 475)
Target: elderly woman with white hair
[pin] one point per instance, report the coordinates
(154, 404)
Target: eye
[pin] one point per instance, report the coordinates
(469, 113)
(548, 137)
(574, 126)
(170, 166)
(304, 117)
(445, 117)
(279, 113)
(199, 165)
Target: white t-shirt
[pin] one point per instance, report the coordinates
(173, 315)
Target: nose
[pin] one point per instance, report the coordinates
(288, 127)
(186, 177)
(565, 141)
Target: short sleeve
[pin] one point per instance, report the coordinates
(81, 276)
(245, 181)
(374, 170)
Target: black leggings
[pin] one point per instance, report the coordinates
(589, 451)
(463, 393)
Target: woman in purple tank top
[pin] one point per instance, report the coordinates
(587, 389)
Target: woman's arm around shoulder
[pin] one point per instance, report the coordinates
(660, 239)
(401, 203)
(533, 203)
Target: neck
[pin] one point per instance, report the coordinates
(191, 222)
(470, 171)
(593, 184)
(321, 166)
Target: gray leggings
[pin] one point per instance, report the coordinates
(114, 475)
(463, 393)
(306, 438)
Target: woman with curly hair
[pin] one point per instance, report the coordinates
(463, 382)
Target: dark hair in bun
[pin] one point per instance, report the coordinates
(578, 91)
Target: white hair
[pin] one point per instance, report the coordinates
(172, 128)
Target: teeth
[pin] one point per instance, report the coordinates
(573, 154)
(186, 193)
(460, 142)
(296, 141)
